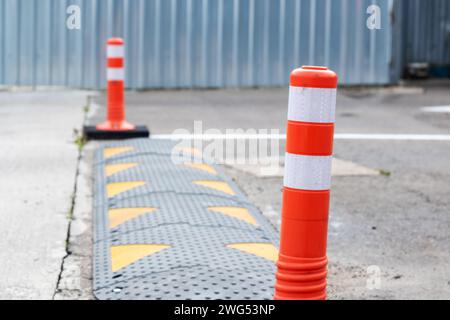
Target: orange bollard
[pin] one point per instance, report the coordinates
(115, 77)
(115, 127)
(302, 263)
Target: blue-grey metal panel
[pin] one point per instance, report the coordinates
(427, 31)
(398, 19)
(193, 43)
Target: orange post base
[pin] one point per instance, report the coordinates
(301, 278)
(302, 262)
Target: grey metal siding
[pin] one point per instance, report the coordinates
(193, 43)
(427, 31)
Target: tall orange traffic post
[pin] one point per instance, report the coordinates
(115, 126)
(302, 263)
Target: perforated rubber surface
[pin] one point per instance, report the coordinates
(160, 235)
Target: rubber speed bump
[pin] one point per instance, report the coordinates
(236, 212)
(119, 216)
(192, 235)
(190, 151)
(201, 166)
(216, 185)
(115, 188)
(264, 250)
(115, 168)
(111, 152)
(122, 256)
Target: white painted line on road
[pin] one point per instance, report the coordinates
(403, 137)
(436, 109)
(337, 136)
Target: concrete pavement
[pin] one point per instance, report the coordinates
(38, 163)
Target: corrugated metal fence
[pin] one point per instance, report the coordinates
(193, 43)
(427, 31)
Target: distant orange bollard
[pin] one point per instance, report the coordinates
(115, 77)
(115, 127)
(302, 264)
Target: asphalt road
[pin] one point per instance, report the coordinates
(394, 227)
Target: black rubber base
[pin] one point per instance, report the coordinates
(91, 133)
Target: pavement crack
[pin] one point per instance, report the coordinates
(72, 208)
(420, 194)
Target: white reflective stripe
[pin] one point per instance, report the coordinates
(307, 172)
(115, 74)
(312, 104)
(114, 51)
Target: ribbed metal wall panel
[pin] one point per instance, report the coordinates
(427, 31)
(193, 43)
